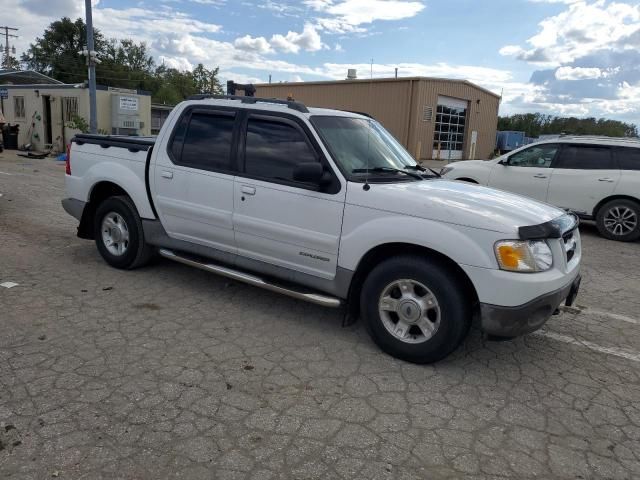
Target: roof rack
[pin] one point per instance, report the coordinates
(297, 106)
(600, 137)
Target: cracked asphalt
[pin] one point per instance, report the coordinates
(171, 372)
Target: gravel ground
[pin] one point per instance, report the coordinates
(170, 372)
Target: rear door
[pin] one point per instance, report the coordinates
(526, 172)
(193, 178)
(628, 159)
(276, 219)
(583, 175)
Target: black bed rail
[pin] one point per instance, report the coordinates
(131, 143)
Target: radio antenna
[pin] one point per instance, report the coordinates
(366, 185)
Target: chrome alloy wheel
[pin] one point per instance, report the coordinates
(620, 220)
(409, 311)
(115, 234)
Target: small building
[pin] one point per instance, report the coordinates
(434, 118)
(48, 115)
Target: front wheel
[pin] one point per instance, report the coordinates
(118, 233)
(619, 220)
(415, 308)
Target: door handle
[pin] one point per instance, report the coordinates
(166, 174)
(539, 175)
(610, 180)
(248, 190)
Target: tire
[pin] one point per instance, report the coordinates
(126, 227)
(449, 313)
(619, 220)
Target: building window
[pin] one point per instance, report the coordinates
(70, 106)
(18, 107)
(449, 131)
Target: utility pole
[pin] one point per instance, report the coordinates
(91, 62)
(5, 61)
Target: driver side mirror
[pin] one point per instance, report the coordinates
(504, 161)
(310, 172)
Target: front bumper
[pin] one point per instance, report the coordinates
(513, 321)
(73, 207)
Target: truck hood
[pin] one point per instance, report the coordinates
(455, 202)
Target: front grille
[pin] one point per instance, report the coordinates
(570, 245)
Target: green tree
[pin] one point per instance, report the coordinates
(123, 63)
(10, 62)
(206, 81)
(536, 124)
(56, 53)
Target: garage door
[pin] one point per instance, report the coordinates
(448, 139)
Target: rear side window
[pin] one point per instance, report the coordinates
(203, 140)
(628, 158)
(274, 148)
(585, 157)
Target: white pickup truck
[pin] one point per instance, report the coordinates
(326, 206)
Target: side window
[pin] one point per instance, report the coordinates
(18, 107)
(628, 158)
(203, 140)
(585, 157)
(178, 139)
(537, 156)
(273, 149)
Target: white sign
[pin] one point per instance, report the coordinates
(474, 136)
(129, 103)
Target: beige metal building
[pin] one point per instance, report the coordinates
(434, 118)
(45, 113)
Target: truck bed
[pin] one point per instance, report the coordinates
(119, 160)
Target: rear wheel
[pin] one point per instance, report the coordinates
(118, 233)
(619, 220)
(415, 308)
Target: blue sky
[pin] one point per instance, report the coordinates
(563, 57)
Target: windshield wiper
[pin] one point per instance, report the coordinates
(422, 169)
(386, 170)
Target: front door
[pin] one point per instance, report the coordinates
(583, 175)
(193, 178)
(526, 172)
(276, 219)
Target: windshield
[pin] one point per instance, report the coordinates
(362, 144)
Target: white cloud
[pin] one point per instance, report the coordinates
(254, 44)
(309, 40)
(138, 22)
(578, 73)
(345, 16)
(556, 1)
(238, 77)
(582, 29)
(179, 63)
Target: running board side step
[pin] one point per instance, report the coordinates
(317, 298)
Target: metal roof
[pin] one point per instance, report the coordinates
(379, 80)
(26, 77)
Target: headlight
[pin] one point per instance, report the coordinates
(445, 170)
(523, 255)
